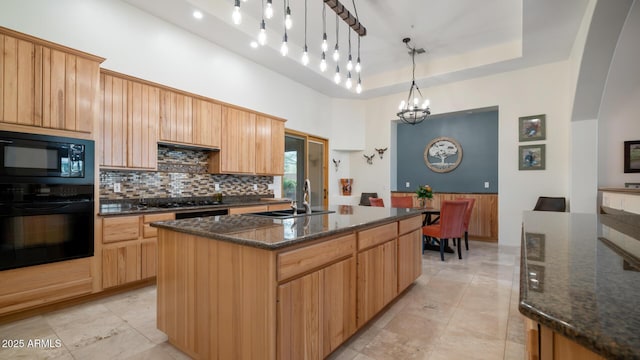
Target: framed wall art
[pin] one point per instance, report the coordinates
(531, 157)
(443, 154)
(632, 156)
(532, 128)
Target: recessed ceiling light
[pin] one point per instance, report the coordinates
(254, 44)
(197, 14)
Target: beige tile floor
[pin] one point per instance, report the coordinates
(457, 309)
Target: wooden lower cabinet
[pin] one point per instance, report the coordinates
(316, 313)
(218, 299)
(120, 264)
(129, 251)
(409, 258)
(544, 343)
(377, 279)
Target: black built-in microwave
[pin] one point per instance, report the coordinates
(32, 158)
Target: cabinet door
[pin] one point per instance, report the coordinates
(238, 141)
(377, 279)
(176, 123)
(69, 86)
(298, 324)
(120, 264)
(207, 123)
(17, 79)
(113, 121)
(409, 259)
(269, 146)
(143, 120)
(338, 304)
(148, 256)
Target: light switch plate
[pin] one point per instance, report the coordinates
(486, 184)
(116, 187)
(255, 186)
(407, 184)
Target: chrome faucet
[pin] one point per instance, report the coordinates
(306, 196)
(294, 207)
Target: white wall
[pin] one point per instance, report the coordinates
(537, 90)
(619, 118)
(138, 44)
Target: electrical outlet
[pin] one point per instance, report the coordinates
(486, 184)
(407, 184)
(255, 186)
(271, 187)
(216, 186)
(116, 187)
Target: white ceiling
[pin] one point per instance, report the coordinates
(463, 38)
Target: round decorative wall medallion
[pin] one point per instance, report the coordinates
(443, 154)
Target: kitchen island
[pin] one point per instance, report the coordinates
(580, 284)
(250, 287)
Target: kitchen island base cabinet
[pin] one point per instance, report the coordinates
(544, 343)
(219, 299)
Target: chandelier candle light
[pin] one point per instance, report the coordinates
(415, 109)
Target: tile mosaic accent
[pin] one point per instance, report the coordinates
(181, 173)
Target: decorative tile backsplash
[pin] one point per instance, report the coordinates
(181, 173)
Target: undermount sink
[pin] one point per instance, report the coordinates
(286, 214)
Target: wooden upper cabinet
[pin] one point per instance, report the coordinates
(237, 153)
(176, 117)
(269, 146)
(47, 85)
(129, 119)
(207, 123)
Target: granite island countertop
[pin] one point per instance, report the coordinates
(272, 234)
(580, 277)
(132, 207)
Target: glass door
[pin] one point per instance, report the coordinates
(305, 157)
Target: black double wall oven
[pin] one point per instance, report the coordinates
(46, 199)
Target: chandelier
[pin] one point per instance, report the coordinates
(415, 109)
(352, 21)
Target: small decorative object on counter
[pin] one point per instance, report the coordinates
(424, 192)
(346, 185)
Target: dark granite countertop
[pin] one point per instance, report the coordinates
(580, 277)
(131, 207)
(271, 234)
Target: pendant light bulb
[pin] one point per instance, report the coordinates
(348, 83)
(359, 86)
(237, 16)
(323, 63)
(262, 34)
(336, 77)
(402, 104)
(268, 10)
(305, 56)
(358, 66)
(336, 53)
(349, 64)
(425, 105)
(287, 19)
(325, 45)
(284, 48)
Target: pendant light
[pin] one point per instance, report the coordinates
(262, 33)
(268, 11)
(336, 49)
(350, 59)
(284, 48)
(359, 86)
(305, 53)
(336, 77)
(324, 46)
(287, 17)
(415, 109)
(237, 16)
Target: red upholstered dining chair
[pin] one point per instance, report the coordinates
(467, 219)
(376, 202)
(451, 225)
(401, 202)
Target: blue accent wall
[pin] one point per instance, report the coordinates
(477, 134)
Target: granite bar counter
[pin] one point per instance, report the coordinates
(240, 229)
(580, 277)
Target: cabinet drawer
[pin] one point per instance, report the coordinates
(149, 231)
(247, 209)
(299, 261)
(120, 228)
(377, 235)
(276, 207)
(408, 225)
